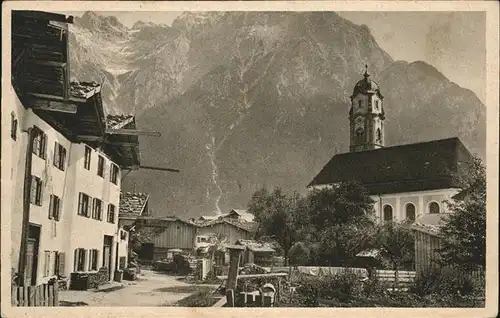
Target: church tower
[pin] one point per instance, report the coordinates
(366, 116)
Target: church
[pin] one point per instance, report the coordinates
(407, 182)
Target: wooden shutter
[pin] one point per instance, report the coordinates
(60, 263)
(57, 210)
(101, 212)
(56, 155)
(80, 203)
(89, 206)
(63, 158)
(33, 189)
(75, 260)
(51, 206)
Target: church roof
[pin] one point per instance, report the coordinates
(438, 164)
(366, 86)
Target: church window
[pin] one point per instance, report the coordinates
(434, 208)
(376, 104)
(410, 212)
(387, 213)
(379, 136)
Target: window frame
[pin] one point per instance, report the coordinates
(54, 208)
(111, 212)
(40, 140)
(36, 189)
(87, 157)
(80, 259)
(88, 206)
(429, 207)
(113, 173)
(100, 166)
(59, 156)
(97, 209)
(93, 259)
(384, 213)
(407, 205)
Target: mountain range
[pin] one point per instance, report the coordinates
(245, 100)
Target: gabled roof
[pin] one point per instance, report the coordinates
(429, 224)
(438, 164)
(246, 226)
(132, 204)
(249, 217)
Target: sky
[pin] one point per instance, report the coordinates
(453, 42)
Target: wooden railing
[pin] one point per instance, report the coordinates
(45, 295)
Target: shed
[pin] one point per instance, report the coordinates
(257, 252)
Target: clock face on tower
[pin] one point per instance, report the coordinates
(358, 122)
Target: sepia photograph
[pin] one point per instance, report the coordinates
(263, 157)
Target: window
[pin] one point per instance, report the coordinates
(46, 264)
(93, 258)
(54, 207)
(113, 177)
(36, 191)
(360, 104)
(60, 263)
(79, 265)
(387, 213)
(100, 166)
(376, 104)
(434, 208)
(410, 212)
(111, 213)
(97, 209)
(88, 154)
(84, 205)
(13, 126)
(39, 143)
(59, 156)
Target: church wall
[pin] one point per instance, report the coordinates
(420, 199)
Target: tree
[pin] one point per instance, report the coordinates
(397, 243)
(341, 219)
(299, 254)
(464, 229)
(275, 214)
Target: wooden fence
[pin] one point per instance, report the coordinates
(405, 278)
(45, 295)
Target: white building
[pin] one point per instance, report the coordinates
(405, 181)
(66, 159)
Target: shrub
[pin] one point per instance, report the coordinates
(299, 254)
(448, 282)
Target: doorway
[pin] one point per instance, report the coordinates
(107, 253)
(32, 245)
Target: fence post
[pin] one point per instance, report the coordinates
(50, 297)
(14, 295)
(31, 296)
(230, 297)
(56, 294)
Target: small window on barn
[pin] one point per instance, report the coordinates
(387, 213)
(434, 208)
(410, 212)
(88, 154)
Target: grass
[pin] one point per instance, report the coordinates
(201, 298)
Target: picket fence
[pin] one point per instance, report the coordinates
(44, 295)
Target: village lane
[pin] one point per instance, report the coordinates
(150, 289)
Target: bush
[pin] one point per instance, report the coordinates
(299, 254)
(448, 282)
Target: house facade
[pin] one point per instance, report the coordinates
(66, 159)
(406, 182)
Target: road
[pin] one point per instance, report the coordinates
(151, 289)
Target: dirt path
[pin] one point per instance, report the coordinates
(151, 289)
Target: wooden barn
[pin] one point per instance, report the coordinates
(427, 242)
(232, 230)
(168, 233)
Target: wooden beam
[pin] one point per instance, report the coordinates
(55, 106)
(60, 98)
(159, 168)
(88, 138)
(132, 132)
(118, 143)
